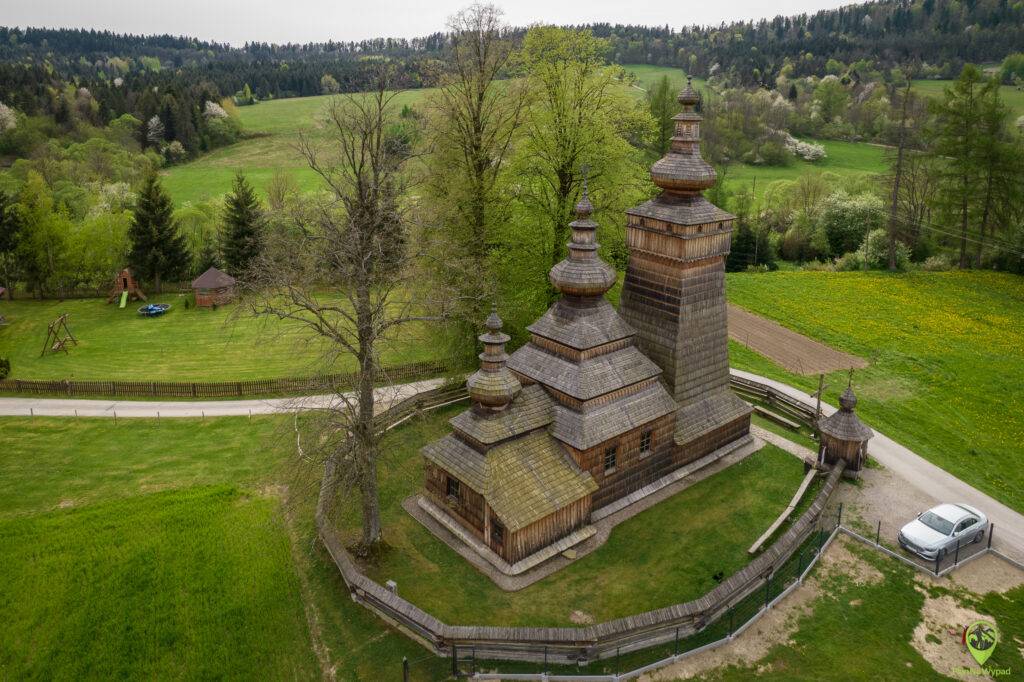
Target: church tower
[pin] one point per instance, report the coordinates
(674, 291)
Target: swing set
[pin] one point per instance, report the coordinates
(58, 335)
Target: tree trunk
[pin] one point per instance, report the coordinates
(157, 284)
(963, 231)
(901, 143)
(365, 436)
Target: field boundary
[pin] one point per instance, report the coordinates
(789, 349)
(752, 587)
(394, 374)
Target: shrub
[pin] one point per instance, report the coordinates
(849, 262)
(847, 219)
(938, 263)
(5, 368)
(876, 248)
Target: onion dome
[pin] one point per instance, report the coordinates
(844, 424)
(493, 386)
(682, 170)
(583, 273)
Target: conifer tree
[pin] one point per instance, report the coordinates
(663, 105)
(243, 220)
(158, 250)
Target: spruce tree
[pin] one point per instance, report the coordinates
(663, 106)
(243, 220)
(158, 250)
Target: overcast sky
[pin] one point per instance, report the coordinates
(280, 21)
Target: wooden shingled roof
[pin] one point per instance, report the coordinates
(523, 479)
(844, 423)
(586, 428)
(530, 410)
(697, 418)
(588, 378)
(581, 326)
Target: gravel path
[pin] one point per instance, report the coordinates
(909, 484)
(794, 351)
(60, 407)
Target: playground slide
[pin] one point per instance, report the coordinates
(124, 299)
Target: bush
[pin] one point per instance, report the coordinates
(876, 248)
(849, 262)
(5, 368)
(939, 263)
(847, 219)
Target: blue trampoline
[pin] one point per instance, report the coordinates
(154, 309)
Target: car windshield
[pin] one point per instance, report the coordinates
(936, 522)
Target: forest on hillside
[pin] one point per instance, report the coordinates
(89, 119)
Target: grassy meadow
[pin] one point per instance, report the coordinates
(161, 549)
(196, 344)
(946, 352)
(1012, 96)
(681, 543)
(845, 160)
(275, 126)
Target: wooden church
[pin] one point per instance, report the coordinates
(601, 405)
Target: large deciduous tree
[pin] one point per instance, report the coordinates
(579, 115)
(345, 267)
(243, 226)
(158, 250)
(473, 119)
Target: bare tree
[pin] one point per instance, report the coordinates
(343, 265)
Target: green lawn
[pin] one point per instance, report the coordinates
(183, 345)
(181, 584)
(946, 353)
(276, 125)
(844, 160)
(1011, 95)
(647, 75)
(157, 549)
(681, 543)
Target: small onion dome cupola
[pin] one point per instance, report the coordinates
(843, 435)
(583, 273)
(682, 170)
(493, 386)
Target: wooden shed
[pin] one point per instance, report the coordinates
(213, 287)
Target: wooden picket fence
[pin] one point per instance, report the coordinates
(396, 374)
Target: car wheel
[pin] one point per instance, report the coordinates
(978, 537)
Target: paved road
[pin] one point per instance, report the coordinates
(60, 407)
(914, 470)
(922, 475)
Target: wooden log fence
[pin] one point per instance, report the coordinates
(396, 374)
(564, 644)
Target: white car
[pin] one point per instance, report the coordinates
(936, 532)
